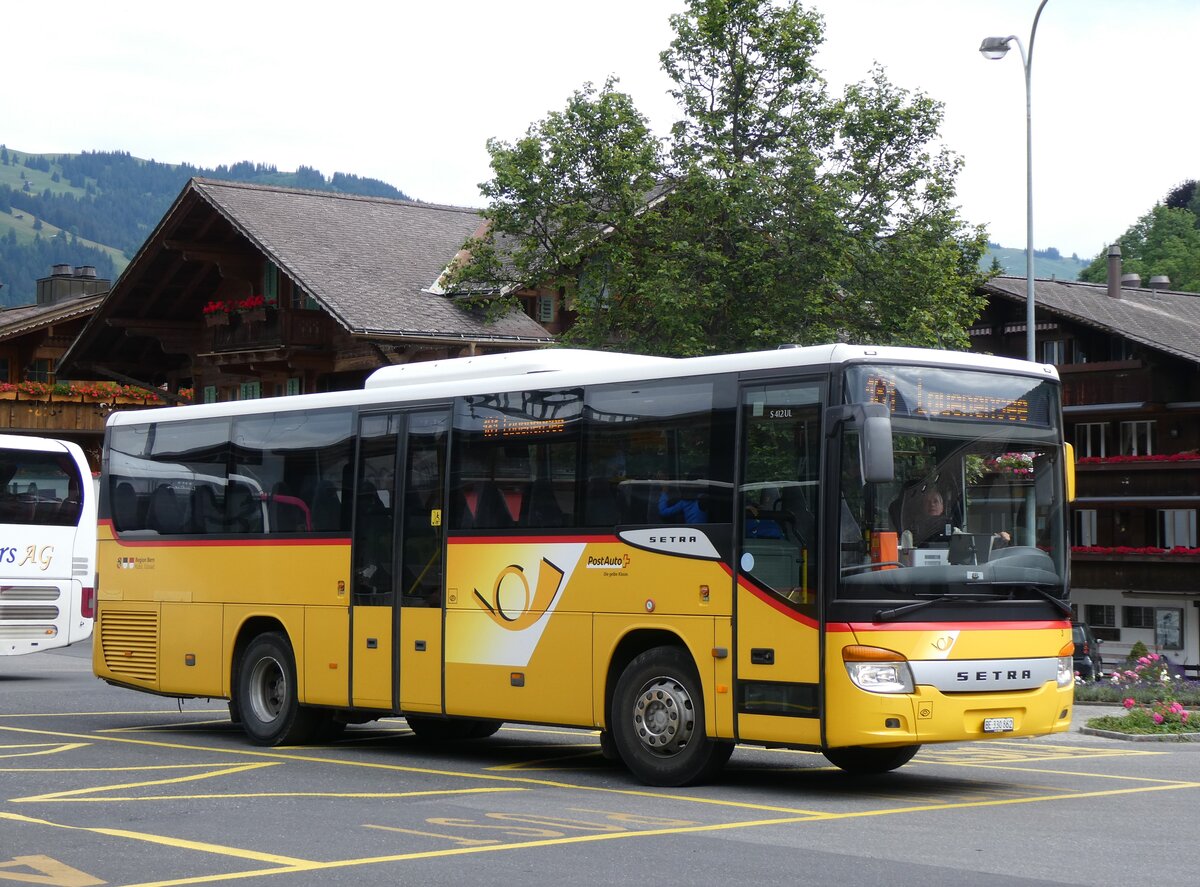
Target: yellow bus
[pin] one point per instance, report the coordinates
(846, 549)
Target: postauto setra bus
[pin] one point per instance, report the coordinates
(47, 544)
(681, 553)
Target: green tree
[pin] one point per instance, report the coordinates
(1164, 241)
(776, 213)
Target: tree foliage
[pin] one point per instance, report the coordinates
(1165, 240)
(774, 213)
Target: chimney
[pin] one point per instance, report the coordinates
(1114, 271)
(61, 271)
(1160, 282)
(1131, 280)
(88, 271)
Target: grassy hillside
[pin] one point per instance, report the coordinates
(1046, 263)
(96, 208)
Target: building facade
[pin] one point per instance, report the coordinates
(1129, 358)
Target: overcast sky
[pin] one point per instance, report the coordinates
(410, 92)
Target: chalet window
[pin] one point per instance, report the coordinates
(545, 309)
(271, 282)
(210, 394)
(1103, 620)
(1121, 349)
(41, 369)
(1054, 351)
(1137, 617)
(1089, 439)
(1085, 527)
(1168, 628)
(250, 391)
(292, 386)
(4, 370)
(1137, 438)
(1177, 528)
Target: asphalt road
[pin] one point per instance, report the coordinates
(100, 785)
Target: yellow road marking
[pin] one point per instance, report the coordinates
(178, 843)
(71, 794)
(52, 872)
(44, 748)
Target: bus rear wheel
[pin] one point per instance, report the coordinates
(861, 761)
(271, 713)
(657, 721)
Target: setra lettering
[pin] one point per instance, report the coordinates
(661, 539)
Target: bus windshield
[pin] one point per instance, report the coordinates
(976, 508)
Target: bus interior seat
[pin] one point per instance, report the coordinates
(287, 512)
(600, 503)
(125, 507)
(243, 514)
(165, 514)
(491, 511)
(540, 506)
(207, 516)
(327, 508)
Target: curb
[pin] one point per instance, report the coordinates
(1142, 737)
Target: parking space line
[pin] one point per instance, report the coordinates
(178, 843)
(43, 748)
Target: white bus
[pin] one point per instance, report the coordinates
(47, 544)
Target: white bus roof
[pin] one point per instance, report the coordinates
(565, 368)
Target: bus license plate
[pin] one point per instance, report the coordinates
(998, 725)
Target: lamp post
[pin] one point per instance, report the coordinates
(996, 48)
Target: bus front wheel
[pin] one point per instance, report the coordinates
(271, 713)
(657, 721)
(862, 761)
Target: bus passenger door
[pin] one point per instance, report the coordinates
(397, 594)
(778, 628)
(372, 595)
(421, 573)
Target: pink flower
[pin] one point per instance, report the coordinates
(1183, 716)
(1129, 703)
(1158, 719)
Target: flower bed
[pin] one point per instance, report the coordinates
(110, 392)
(1191, 456)
(1153, 698)
(1130, 549)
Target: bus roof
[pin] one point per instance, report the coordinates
(564, 367)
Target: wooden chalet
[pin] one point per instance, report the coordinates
(1129, 358)
(247, 291)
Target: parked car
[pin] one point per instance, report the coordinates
(1088, 663)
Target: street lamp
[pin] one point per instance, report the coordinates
(996, 48)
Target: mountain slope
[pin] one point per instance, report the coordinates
(96, 208)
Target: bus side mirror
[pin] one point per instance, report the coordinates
(878, 466)
(874, 425)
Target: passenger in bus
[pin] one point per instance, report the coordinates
(682, 504)
(762, 510)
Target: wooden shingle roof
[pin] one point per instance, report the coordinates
(370, 262)
(1166, 320)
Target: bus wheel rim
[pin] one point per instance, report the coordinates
(268, 689)
(664, 716)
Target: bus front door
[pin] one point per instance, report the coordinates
(397, 594)
(778, 629)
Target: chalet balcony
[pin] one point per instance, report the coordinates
(266, 329)
(1104, 383)
(1151, 481)
(1130, 570)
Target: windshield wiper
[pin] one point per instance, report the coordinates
(888, 615)
(1062, 605)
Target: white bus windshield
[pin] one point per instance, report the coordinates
(976, 509)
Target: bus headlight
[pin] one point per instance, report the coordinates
(1066, 671)
(877, 670)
